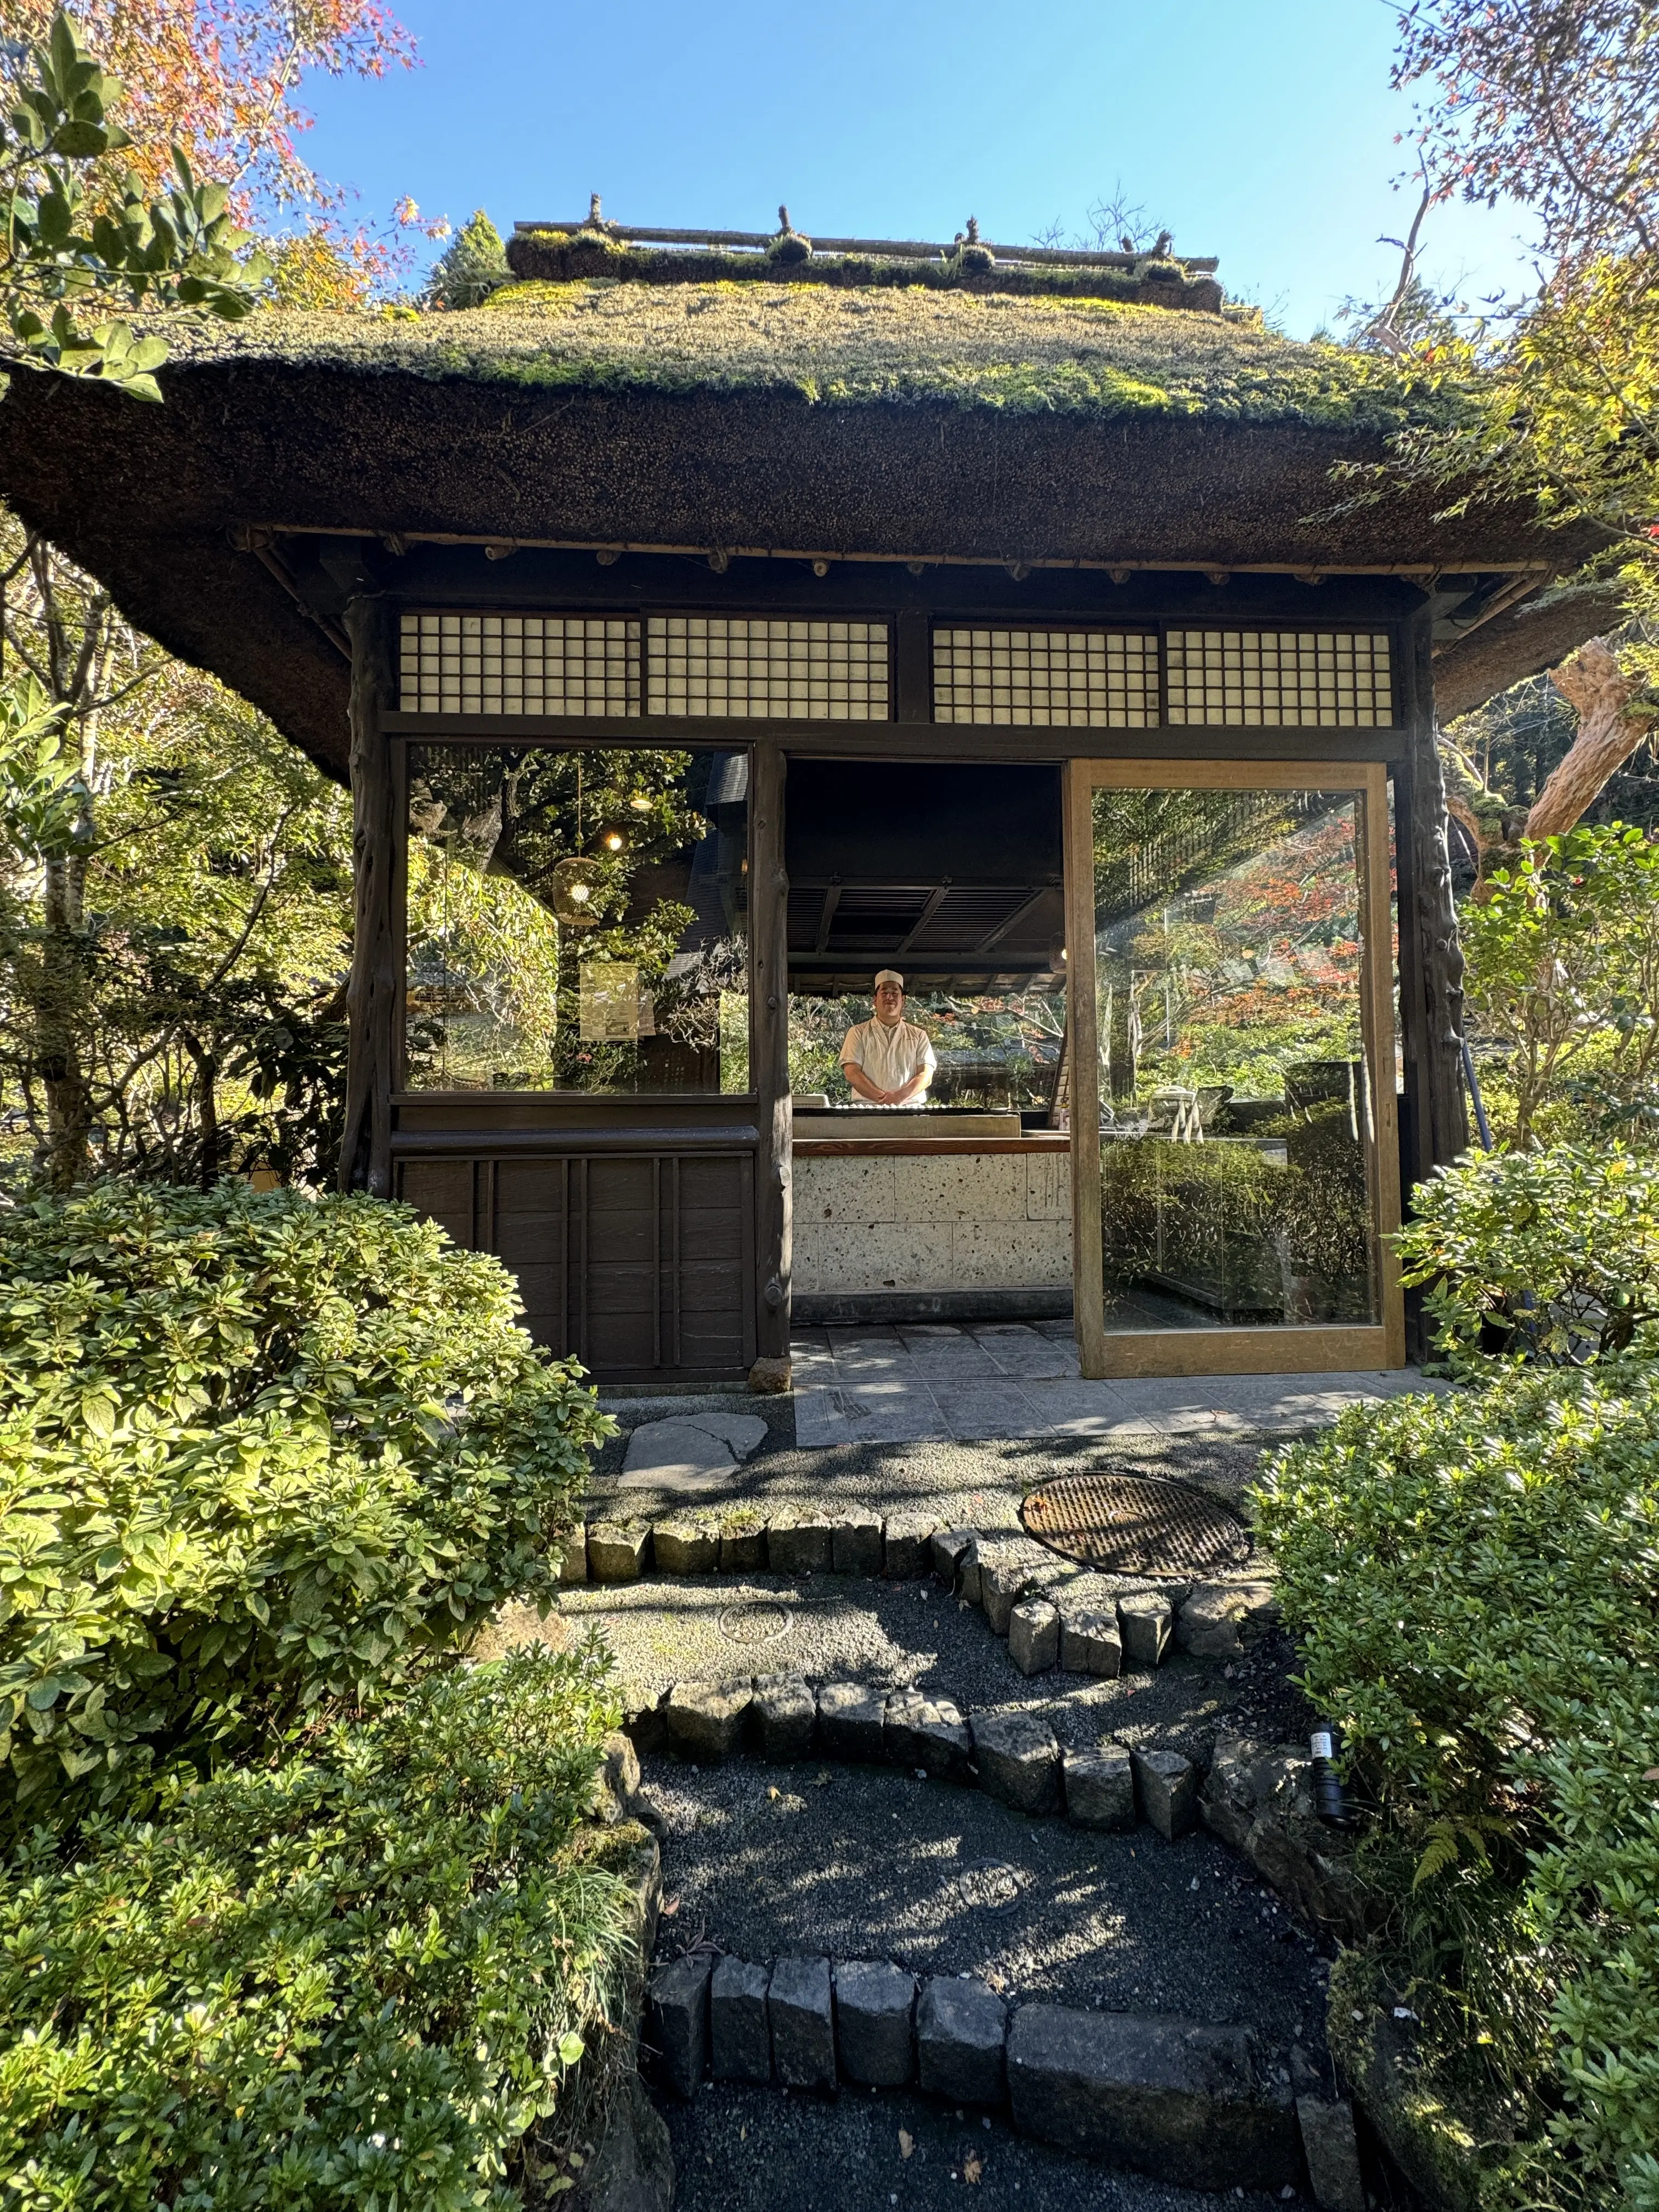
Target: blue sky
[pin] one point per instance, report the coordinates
(1261, 131)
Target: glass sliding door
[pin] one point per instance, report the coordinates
(1234, 1127)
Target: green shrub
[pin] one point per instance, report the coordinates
(1471, 1580)
(1550, 1256)
(255, 1451)
(354, 1977)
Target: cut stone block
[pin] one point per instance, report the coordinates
(799, 1544)
(615, 1554)
(856, 1544)
(787, 1714)
(743, 1547)
(706, 1722)
(677, 2009)
(1091, 1644)
(1143, 1619)
(803, 2027)
(961, 2027)
(907, 1544)
(1034, 1636)
(1100, 1788)
(740, 2029)
(852, 1721)
(1002, 1583)
(875, 2008)
(681, 1548)
(1219, 1620)
(1166, 1785)
(1018, 1760)
(1332, 2150)
(618, 1778)
(947, 1549)
(1184, 2103)
(566, 1556)
(970, 1574)
(642, 1717)
(928, 1733)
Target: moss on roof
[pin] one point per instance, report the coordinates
(1087, 359)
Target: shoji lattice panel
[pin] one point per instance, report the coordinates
(1104, 680)
(520, 664)
(1298, 679)
(702, 665)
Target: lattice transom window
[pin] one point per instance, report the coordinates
(1104, 680)
(700, 665)
(1299, 679)
(520, 664)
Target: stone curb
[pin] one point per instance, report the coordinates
(1053, 1614)
(1197, 2105)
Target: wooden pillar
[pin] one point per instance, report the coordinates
(769, 1065)
(1082, 1034)
(1431, 958)
(372, 993)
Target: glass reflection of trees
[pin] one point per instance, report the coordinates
(1235, 1104)
(995, 1049)
(577, 920)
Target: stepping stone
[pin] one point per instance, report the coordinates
(743, 1547)
(787, 1713)
(1220, 1620)
(803, 2029)
(677, 1456)
(856, 1544)
(928, 1733)
(1091, 1644)
(741, 1433)
(799, 1544)
(961, 2027)
(1034, 1636)
(851, 1721)
(1166, 1784)
(614, 1554)
(875, 2003)
(740, 2029)
(705, 1722)
(1018, 1760)
(1143, 1619)
(678, 2007)
(1100, 1788)
(681, 1548)
(1184, 2103)
(908, 1545)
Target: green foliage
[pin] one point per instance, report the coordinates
(1550, 1255)
(256, 1452)
(351, 1978)
(77, 240)
(472, 267)
(1563, 970)
(1470, 1579)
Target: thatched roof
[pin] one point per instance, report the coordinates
(907, 423)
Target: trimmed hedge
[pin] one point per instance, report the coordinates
(257, 1451)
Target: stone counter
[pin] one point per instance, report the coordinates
(925, 1216)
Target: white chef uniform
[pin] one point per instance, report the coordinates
(889, 1054)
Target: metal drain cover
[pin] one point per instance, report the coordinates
(754, 1624)
(1136, 1524)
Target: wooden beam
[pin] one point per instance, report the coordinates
(831, 901)
(1442, 1127)
(936, 899)
(769, 1065)
(372, 993)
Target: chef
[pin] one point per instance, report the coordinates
(888, 1061)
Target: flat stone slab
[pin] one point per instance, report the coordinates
(787, 1714)
(803, 2025)
(961, 2027)
(875, 2035)
(852, 1721)
(676, 1457)
(927, 1733)
(1018, 1760)
(739, 2024)
(705, 1721)
(1100, 1788)
(677, 2008)
(1184, 2103)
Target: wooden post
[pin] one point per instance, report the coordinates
(1434, 1025)
(769, 1063)
(372, 992)
(1082, 1031)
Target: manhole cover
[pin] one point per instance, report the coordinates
(984, 1885)
(754, 1624)
(1137, 1525)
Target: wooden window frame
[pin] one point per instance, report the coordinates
(1269, 1349)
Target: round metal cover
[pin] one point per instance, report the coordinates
(1136, 1525)
(754, 1624)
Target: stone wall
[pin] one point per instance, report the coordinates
(951, 1221)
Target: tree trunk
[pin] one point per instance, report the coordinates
(769, 932)
(1434, 1028)
(59, 1011)
(1610, 731)
(372, 993)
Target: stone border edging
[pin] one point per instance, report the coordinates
(1194, 2104)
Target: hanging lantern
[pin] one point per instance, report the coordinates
(577, 888)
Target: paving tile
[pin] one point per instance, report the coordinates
(819, 1419)
(1073, 1408)
(892, 1416)
(1020, 1350)
(952, 1356)
(973, 1411)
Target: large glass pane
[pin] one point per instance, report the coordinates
(1236, 1138)
(577, 920)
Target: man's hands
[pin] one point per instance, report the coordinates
(861, 1083)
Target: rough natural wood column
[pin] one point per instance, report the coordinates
(372, 993)
(1431, 988)
(769, 1075)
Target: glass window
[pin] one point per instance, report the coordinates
(577, 920)
(996, 1051)
(1236, 1153)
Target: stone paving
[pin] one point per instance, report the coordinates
(916, 1383)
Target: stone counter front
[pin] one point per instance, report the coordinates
(930, 1219)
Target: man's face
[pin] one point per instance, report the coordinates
(890, 1002)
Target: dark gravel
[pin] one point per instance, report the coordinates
(740, 2149)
